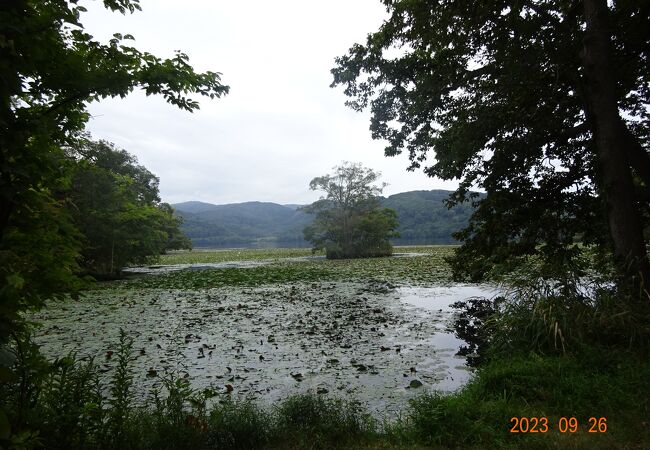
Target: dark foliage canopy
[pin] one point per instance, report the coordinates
(544, 105)
(50, 69)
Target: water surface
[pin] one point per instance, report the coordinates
(369, 341)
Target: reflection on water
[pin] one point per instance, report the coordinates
(461, 307)
(456, 372)
(443, 297)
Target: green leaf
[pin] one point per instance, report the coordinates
(16, 281)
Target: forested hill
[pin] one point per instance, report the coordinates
(250, 224)
(422, 215)
(424, 218)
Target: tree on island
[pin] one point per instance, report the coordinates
(544, 105)
(349, 222)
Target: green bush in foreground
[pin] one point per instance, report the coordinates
(240, 425)
(557, 311)
(595, 384)
(322, 422)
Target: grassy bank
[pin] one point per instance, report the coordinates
(595, 384)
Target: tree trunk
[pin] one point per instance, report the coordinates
(613, 158)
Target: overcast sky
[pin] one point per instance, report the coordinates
(280, 126)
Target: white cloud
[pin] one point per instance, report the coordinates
(280, 126)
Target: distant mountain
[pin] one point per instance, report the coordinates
(423, 218)
(250, 224)
(193, 207)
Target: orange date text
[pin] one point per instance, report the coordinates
(563, 425)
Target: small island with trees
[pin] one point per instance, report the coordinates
(349, 222)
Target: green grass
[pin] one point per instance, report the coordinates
(593, 384)
(202, 256)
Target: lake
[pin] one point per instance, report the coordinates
(382, 337)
